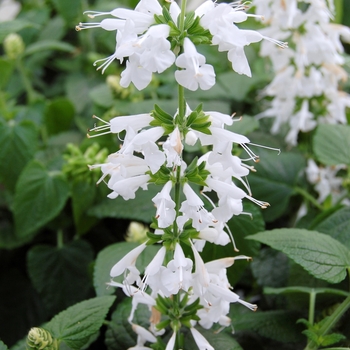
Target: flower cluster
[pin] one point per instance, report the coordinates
(179, 289)
(312, 68)
(148, 36)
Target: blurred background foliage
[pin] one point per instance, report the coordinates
(54, 220)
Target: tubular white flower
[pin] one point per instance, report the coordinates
(173, 148)
(127, 262)
(195, 72)
(193, 208)
(127, 187)
(165, 206)
(135, 73)
(201, 342)
(171, 343)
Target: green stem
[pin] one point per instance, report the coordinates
(26, 81)
(312, 307)
(330, 322)
(308, 196)
(60, 243)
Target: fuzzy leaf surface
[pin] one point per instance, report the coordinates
(40, 196)
(319, 254)
(79, 322)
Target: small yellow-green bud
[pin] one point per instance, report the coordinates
(136, 233)
(13, 46)
(41, 339)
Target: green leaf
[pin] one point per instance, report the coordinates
(321, 255)
(6, 69)
(119, 335)
(275, 179)
(83, 195)
(139, 209)
(220, 340)
(18, 143)
(109, 256)
(102, 95)
(278, 325)
(79, 322)
(337, 226)
(241, 226)
(13, 26)
(48, 45)
(245, 126)
(331, 144)
(59, 115)
(69, 10)
(56, 272)
(21, 307)
(3, 346)
(264, 271)
(48, 190)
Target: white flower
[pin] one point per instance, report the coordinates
(165, 206)
(177, 275)
(9, 9)
(193, 208)
(135, 73)
(195, 72)
(173, 148)
(201, 342)
(143, 336)
(171, 342)
(127, 187)
(127, 263)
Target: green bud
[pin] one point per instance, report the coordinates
(41, 339)
(13, 46)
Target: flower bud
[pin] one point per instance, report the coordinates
(136, 232)
(13, 46)
(39, 338)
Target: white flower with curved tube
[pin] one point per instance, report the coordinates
(127, 263)
(201, 342)
(127, 187)
(135, 73)
(195, 72)
(165, 206)
(193, 208)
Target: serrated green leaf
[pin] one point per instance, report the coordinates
(48, 190)
(337, 226)
(79, 322)
(18, 143)
(321, 255)
(48, 45)
(56, 272)
(109, 256)
(331, 144)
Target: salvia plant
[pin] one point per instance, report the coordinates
(179, 289)
(183, 219)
